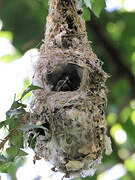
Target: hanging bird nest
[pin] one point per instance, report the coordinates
(72, 104)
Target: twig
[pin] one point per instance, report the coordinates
(9, 136)
(13, 131)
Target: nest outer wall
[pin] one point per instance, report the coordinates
(73, 101)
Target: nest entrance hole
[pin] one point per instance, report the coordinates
(65, 77)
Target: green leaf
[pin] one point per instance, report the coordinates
(22, 153)
(46, 4)
(3, 123)
(7, 34)
(2, 159)
(26, 84)
(130, 129)
(16, 113)
(4, 168)
(12, 123)
(29, 89)
(15, 151)
(17, 104)
(120, 91)
(10, 57)
(97, 6)
(86, 13)
(87, 3)
(12, 151)
(17, 139)
(125, 177)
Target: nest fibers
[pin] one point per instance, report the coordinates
(72, 104)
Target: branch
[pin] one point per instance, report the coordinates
(9, 136)
(13, 131)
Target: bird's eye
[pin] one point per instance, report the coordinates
(65, 77)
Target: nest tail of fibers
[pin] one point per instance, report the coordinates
(72, 104)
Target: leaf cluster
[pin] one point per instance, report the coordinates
(96, 6)
(17, 125)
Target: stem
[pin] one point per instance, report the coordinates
(9, 136)
(15, 130)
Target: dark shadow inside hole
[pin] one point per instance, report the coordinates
(65, 77)
(41, 131)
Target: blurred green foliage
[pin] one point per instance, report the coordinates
(113, 40)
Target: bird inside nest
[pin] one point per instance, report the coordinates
(63, 85)
(65, 77)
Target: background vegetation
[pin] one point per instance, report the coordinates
(113, 40)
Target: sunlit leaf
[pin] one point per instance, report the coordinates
(4, 168)
(7, 34)
(125, 114)
(17, 104)
(118, 133)
(115, 128)
(133, 117)
(125, 177)
(22, 153)
(123, 153)
(97, 6)
(115, 29)
(26, 84)
(12, 151)
(29, 89)
(86, 13)
(130, 164)
(132, 104)
(111, 118)
(10, 57)
(15, 151)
